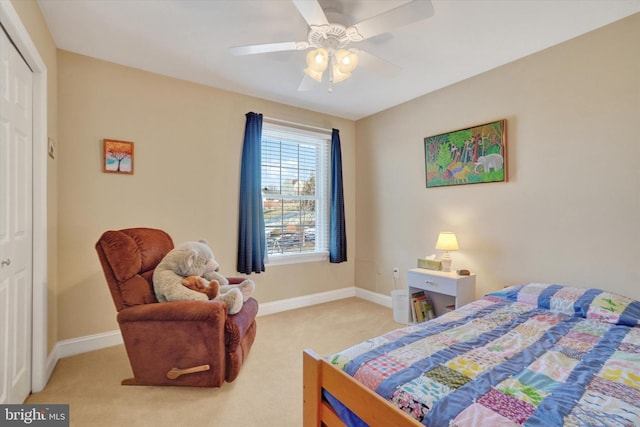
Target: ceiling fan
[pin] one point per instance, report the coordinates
(330, 38)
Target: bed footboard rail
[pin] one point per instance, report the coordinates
(318, 374)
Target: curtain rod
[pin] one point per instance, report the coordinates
(296, 125)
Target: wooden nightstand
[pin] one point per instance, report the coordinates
(445, 289)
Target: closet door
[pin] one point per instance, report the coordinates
(16, 228)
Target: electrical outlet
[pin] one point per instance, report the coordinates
(396, 272)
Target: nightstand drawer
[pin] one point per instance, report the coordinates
(440, 285)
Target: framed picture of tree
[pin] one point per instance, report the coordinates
(467, 156)
(118, 156)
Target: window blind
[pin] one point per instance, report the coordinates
(295, 164)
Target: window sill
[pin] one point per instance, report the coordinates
(297, 258)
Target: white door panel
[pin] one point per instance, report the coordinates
(16, 207)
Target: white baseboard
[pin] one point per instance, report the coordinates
(305, 301)
(374, 297)
(50, 364)
(89, 343)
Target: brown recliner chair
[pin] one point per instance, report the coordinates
(186, 343)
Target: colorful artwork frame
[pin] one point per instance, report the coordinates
(472, 155)
(118, 157)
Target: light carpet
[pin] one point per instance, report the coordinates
(267, 392)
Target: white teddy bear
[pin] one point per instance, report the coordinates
(196, 259)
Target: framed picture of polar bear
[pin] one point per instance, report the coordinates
(467, 156)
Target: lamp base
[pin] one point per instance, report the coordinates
(446, 262)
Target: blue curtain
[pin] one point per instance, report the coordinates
(337, 229)
(251, 239)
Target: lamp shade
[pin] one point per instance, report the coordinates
(317, 62)
(343, 64)
(338, 75)
(346, 61)
(447, 242)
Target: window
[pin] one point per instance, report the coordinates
(295, 193)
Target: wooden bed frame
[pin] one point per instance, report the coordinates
(318, 374)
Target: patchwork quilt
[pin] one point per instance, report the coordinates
(532, 355)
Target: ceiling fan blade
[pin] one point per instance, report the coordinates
(377, 64)
(307, 84)
(267, 47)
(311, 12)
(406, 14)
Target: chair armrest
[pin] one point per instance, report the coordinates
(175, 311)
(237, 325)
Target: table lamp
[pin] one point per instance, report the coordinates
(447, 242)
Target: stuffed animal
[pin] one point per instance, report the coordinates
(196, 259)
(199, 284)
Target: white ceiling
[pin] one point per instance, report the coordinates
(190, 40)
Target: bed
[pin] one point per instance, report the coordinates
(534, 354)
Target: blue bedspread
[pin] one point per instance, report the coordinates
(533, 355)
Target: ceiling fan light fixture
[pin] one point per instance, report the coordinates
(337, 75)
(318, 59)
(342, 64)
(315, 75)
(317, 62)
(346, 60)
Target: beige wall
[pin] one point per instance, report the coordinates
(32, 19)
(188, 144)
(569, 213)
